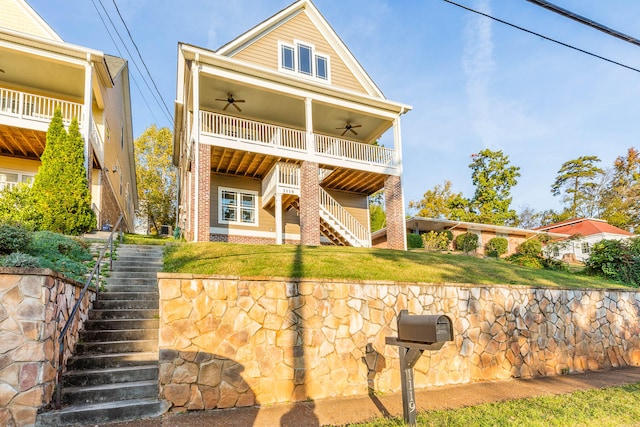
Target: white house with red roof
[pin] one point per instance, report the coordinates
(586, 232)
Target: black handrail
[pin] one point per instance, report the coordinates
(95, 272)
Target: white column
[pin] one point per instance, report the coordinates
(308, 119)
(86, 111)
(195, 137)
(278, 206)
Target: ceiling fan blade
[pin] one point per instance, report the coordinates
(226, 106)
(345, 131)
(219, 99)
(341, 127)
(356, 126)
(236, 107)
(239, 100)
(353, 131)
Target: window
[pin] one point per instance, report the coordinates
(585, 248)
(556, 251)
(12, 179)
(287, 58)
(237, 206)
(301, 58)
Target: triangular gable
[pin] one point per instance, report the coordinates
(303, 22)
(17, 15)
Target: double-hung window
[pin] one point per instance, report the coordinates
(303, 59)
(237, 206)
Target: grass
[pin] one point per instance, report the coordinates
(608, 407)
(332, 262)
(142, 239)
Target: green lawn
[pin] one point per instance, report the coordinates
(609, 407)
(333, 262)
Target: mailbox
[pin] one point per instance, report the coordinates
(424, 329)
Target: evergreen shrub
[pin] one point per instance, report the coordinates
(496, 247)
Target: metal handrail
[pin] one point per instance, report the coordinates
(95, 272)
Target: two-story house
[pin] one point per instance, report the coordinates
(39, 73)
(276, 138)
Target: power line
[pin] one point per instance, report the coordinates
(141, 59)
(543, 36)
(581, 19)
(121, 55)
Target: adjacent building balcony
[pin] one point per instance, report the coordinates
(249, 135)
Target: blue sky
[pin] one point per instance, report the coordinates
(473, 83)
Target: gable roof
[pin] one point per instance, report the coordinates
(307, 7)
(18, 15)
(585, 227)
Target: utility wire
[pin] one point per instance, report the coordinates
(586, 21)
(543, 36)
(133, 61)
(121, 55)
(141, 59)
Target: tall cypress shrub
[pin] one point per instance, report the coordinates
(60, 187)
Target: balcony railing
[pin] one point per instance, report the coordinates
(251, 131)
(284, 178)
(96, 140)
(35, 107)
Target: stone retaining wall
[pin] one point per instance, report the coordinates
(34, 307)
(228, 342)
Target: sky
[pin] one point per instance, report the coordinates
(474, 83)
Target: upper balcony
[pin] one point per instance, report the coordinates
(241, 134)
(21, 113)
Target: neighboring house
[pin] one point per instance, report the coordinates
(586, 232)
(485, 232)
(39, 72)
(275, 138)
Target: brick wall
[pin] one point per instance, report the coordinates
(309, 204)
(396, 227)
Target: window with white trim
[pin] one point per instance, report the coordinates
(302, 58)
(12, 179)
(585, 248)
(237, 206)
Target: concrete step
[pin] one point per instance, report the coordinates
(116, 274)
(140, 281)
(108, 295)
(114, 360)
(109, 335)
(123, 314)
(112, 347)
(121, 324)
(125, 304)
(92, 377)
(110, 392)
(101, 413)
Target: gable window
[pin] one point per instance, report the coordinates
(302, 58)
(237, 206)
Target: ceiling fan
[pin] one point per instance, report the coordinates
(349, 128)
(230, 100)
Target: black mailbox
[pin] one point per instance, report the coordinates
(424, 329)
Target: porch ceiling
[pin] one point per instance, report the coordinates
(21, 142)
(46, 76)
(241, 163)
(354, 181)
(282, 109)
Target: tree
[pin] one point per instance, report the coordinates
(437, 202)
(156, 177)
(493, 177)
(577, 181)
(377, 214)
(60, 189)
(620, 202)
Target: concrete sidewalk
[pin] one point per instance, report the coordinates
(357, 409)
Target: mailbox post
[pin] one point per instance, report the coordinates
(415, 335)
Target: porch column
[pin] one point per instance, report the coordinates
(308, 120)
(203, 189)
(309, 204)
(278, 206)
(86, 113)
(393, 197)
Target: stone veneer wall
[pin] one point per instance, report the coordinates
(228, 342)
(34, 307)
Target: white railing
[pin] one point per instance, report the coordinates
(283, 178)
(96, 140)
(35, 107)
(8, 185)
(252, 131)
(342, 148)
(356, 233)
(323, 173)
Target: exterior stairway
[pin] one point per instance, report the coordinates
(113, 375)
